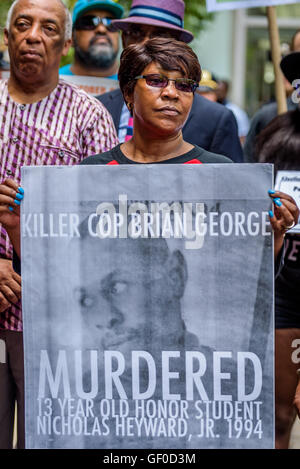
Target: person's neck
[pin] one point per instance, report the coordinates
(30, 92)
(144, 148)
(80, 69)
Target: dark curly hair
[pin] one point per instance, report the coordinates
(168, 53)
(279, 142)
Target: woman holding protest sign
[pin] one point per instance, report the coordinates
(279, 143)
(158, 79)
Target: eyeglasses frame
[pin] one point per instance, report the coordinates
(176, 80)
(102, 21)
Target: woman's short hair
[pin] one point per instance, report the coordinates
(168, 53)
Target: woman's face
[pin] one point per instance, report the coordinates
(163, 111)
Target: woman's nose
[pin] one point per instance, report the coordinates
(170, 89)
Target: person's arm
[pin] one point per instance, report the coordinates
(10, 280)
(297, 395)
(11, 196)
(10, 285)
(283, 217)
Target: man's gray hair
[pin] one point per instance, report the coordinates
(68, 21)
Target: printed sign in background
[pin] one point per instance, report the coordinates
(289, 182)
(147, 304)
(92, 85)
(219, 5)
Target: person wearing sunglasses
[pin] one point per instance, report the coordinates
(96, 47)
(158, 79)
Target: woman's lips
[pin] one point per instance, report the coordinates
(169, 111)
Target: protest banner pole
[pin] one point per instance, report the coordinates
(276, 57)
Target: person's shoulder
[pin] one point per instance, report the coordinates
(80, 96)
(205, 156)
(236, 109)
(109, 157)
(204, 104)
(3, 83)
(110, 96)
(4, 95)
(266, 113)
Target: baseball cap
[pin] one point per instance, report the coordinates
(82, 6)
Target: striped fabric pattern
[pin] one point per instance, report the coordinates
(123, 124)
(62, 129)
(129, 130)
(147, 11)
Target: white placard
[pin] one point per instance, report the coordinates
(219, 5)
(148, 306)
(289, 182)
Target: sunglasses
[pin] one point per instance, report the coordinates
(90, 22)
(161, 81)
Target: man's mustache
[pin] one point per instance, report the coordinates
(95, 39)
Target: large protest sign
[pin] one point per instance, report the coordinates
(147, 305)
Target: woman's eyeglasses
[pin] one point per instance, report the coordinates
(90, 22)
(161, 81)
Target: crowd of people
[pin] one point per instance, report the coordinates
(162, 112)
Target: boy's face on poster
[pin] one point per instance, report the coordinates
(132, 300)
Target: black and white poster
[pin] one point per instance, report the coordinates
(148, 306)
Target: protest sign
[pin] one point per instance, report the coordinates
(92, 85)
(289, 182)
(147, 305)
(219, 5)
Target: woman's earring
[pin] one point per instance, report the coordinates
(130, 108)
